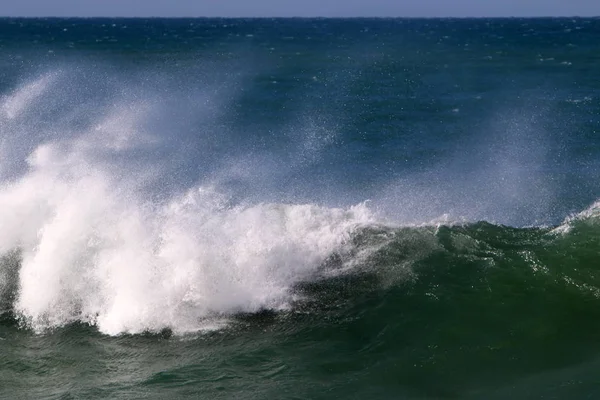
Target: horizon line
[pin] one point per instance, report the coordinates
(299, 17)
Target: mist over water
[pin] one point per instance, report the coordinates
(504, 174)
(105, 237)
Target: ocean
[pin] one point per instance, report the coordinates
(299, 208)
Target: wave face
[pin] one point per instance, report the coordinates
(95, 247)
(299, 208)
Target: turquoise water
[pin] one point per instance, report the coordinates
(304, 208)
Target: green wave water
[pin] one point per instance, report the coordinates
(468, 311)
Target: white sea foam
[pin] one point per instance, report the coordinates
(95, 247)
(591, 214)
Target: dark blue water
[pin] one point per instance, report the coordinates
(299, 208)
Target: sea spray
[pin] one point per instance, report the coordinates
(95, 247)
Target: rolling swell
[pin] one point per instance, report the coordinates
(400, 306)
(467, 306)
(471, 267)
